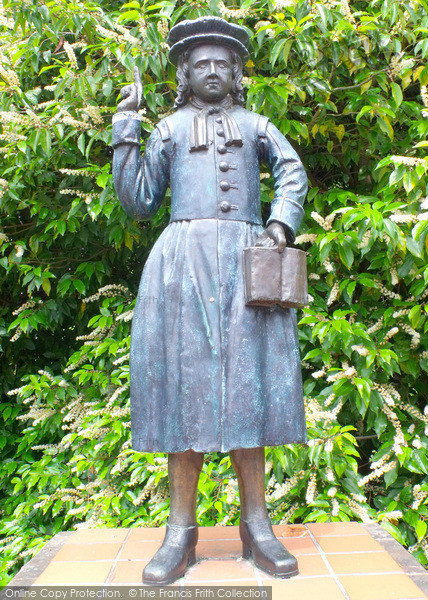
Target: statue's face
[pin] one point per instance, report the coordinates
(210, 72)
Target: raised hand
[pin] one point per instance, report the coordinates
(273, 236)
(131, 94)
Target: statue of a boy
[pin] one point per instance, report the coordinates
(209, 373)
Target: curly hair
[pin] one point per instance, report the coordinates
(183, 87)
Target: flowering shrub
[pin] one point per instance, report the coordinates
(347, 84)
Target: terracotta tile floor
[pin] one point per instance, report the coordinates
(337, 561)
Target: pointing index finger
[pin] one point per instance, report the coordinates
(137, 77)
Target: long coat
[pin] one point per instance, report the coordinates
(207, 371)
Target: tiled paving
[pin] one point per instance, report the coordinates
(337, 561)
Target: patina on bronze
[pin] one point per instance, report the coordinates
(208, 372)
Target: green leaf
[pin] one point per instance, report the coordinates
(276, 50)
(102, 179)
(391, 476)
(364, 389)
(412, 247)
(410, 179)
(46, 285)
(415, 315)
(346, 255)
(397, 175)
(385, 125)
(367, 282)
(129, 15)
(79, 286)
(108, 88)
(81, 143)
(286, 50)
(421, 529)
(61, 227)
(397, 94)
(363, 111)
(394, 531)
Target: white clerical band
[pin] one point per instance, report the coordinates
(126, 114)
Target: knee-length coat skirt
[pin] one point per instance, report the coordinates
(208, 372)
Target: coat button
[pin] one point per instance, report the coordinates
(224, 185)
(221, 149)
(218, 120)
(223, 166)
(220, 132)
(224, 206)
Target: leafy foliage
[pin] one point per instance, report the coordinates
(347, 85)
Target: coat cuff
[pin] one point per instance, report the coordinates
(126, 128)
(289, 213)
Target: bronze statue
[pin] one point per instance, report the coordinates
(209, 373)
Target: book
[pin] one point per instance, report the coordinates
(273, 278)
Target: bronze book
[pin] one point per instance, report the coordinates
(277, 278)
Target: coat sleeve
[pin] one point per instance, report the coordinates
(140, 181)
(290, 180)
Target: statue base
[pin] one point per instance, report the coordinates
(337, 561)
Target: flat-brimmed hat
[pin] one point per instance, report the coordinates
(207, 30)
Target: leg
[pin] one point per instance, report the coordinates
(184, 469)
(178, 547)
(249, 465)
(258, 540)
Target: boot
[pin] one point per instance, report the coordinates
(267, 553)
(176, 554)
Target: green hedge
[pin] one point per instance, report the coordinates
(346, 83)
